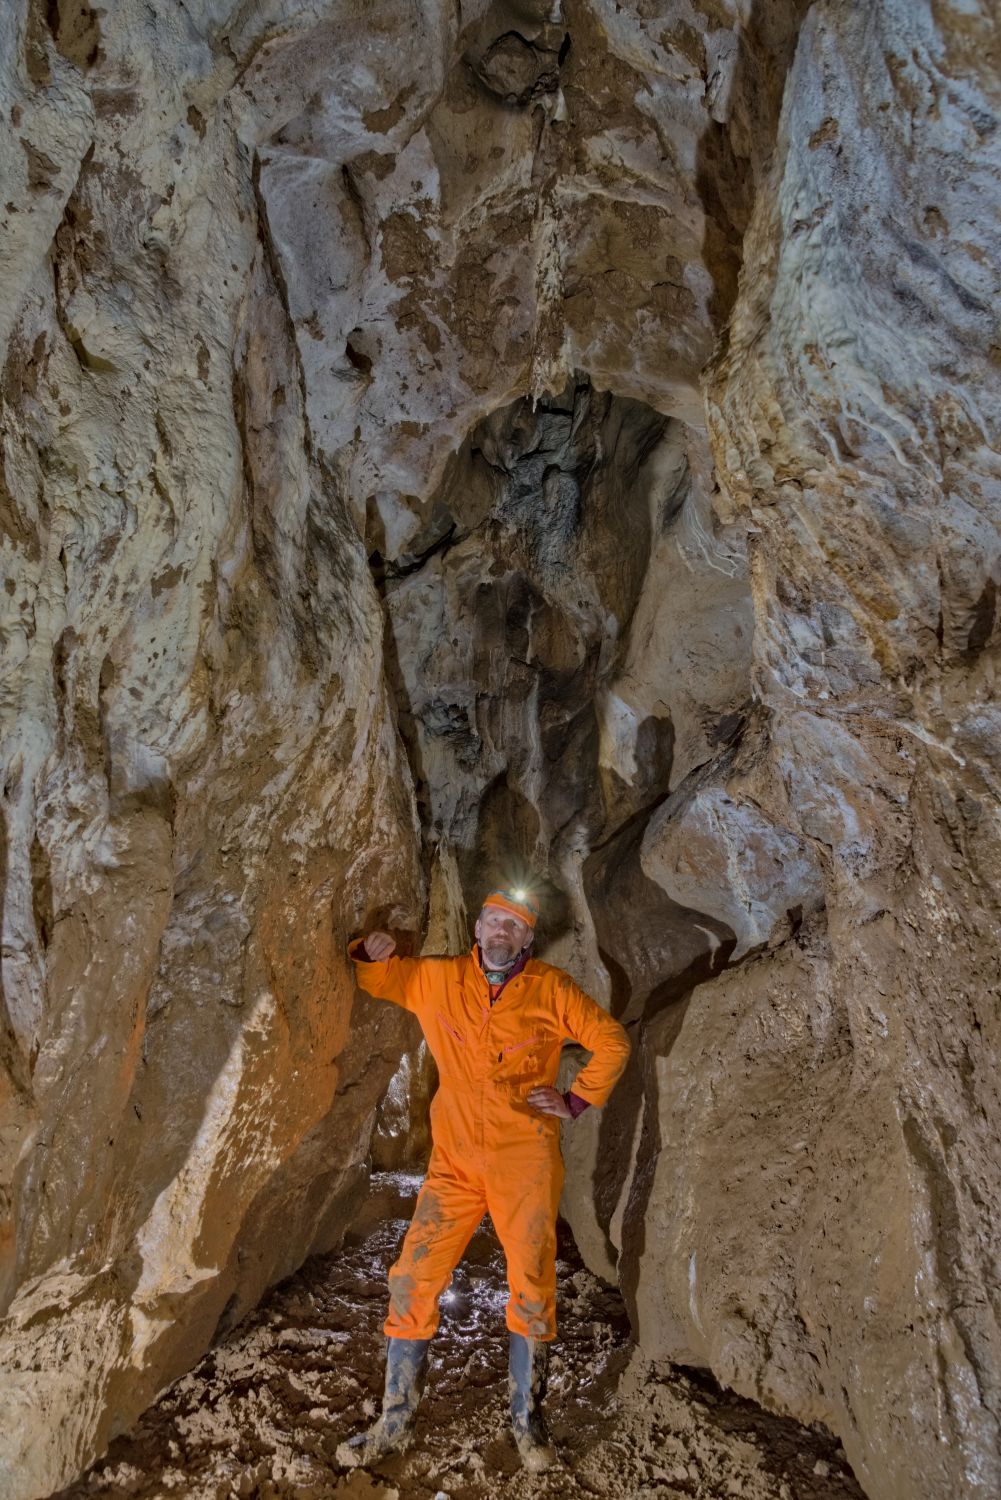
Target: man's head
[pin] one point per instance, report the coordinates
(505, 927)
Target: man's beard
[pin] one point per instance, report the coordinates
(499, 953)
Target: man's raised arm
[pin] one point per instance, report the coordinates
(382, 974)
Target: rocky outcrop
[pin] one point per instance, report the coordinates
(201, 783)
(565, 441)
(829, 1236)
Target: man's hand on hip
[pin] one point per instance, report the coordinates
(379, 946)
(546, 1101)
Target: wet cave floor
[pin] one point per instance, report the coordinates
(262, 1414)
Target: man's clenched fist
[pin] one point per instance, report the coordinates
(379, 945)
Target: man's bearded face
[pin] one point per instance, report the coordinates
(501, 936)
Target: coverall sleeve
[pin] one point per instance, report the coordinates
(395, 979)
(585, 1022)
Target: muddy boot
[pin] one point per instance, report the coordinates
(527, 1367)
(406, 1372)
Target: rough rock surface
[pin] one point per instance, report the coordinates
(199, 763)
(568, 441)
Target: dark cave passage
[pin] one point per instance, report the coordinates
(568, 639)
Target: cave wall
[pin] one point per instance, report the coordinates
(570, 433)
(201, 794)
(877, 654)
(834, 1238)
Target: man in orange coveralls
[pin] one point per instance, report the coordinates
(495, 1021)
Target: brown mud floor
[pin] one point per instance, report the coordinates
(262, 1414)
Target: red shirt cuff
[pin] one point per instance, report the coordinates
(575, 1104)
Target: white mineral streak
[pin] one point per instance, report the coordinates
(166, 1240)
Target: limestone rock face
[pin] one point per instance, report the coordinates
(201, 787)
(830, 1236)
(446, 442)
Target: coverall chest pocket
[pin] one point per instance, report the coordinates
(512, 1047)
(450, 1028)
(521, 1059)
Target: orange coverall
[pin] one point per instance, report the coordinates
(491, 1150)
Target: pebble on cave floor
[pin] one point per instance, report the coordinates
(262, 1414)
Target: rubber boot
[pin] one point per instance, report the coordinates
(527, 1379)
(406, 1373)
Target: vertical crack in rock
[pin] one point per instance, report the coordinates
(744, 79)
(276, 274)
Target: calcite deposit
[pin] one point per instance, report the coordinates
(444, 441)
